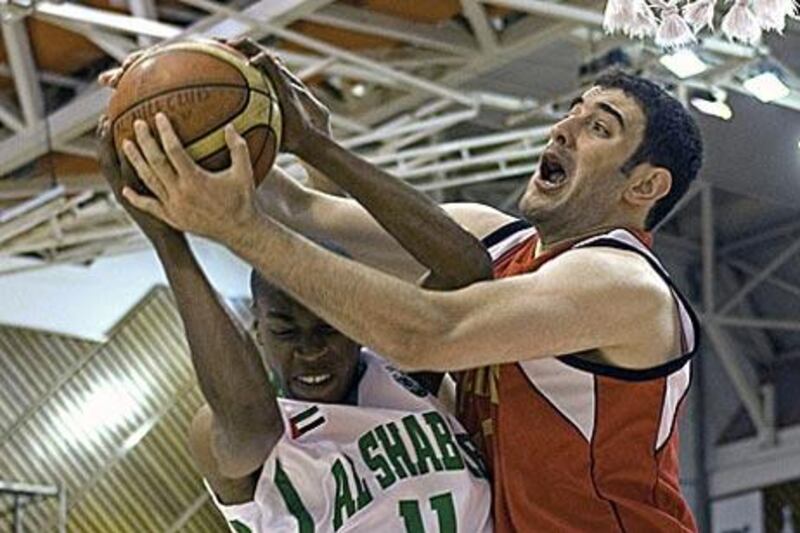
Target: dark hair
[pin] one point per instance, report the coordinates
(671, 137)
(259, 286)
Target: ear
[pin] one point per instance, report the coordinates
(648, 185)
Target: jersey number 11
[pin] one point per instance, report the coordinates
(442, 505)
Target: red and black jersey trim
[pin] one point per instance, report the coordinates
(504, 232)
(628, 374)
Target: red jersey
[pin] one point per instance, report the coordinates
(573, 445)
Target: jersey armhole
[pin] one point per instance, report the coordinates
(658, 371)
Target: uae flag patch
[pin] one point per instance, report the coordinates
(305, 421)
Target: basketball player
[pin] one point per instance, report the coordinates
(579, 355)
(351, 444)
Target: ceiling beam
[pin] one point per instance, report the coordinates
(81, 114)
(23, 69)
(68, 122)
(105, 19)
(49, 77)
(145, 9)
(327, 49)
(553, 10)
(443, 37)
(519, 40)
(479, 22)
(279, 13)
(744, 381)
(9, 114)
(778, 261)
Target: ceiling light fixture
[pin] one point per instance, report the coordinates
(712, 103)
(766, 86)
(684, 63)
(359, 90)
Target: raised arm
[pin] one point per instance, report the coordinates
(243, 423)
(454, 257)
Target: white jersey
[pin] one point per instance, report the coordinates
(393, 462)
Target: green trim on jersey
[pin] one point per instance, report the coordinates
(239, 527)
(305, 524)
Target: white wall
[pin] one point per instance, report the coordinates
(87, 302)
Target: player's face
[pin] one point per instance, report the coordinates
(579, 183)
(311, 360)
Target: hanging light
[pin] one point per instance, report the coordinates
(766, 86)
(358, 90)
(711, 102)
(683, 63)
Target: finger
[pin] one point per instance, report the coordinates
(289, 74)
(130, 178)
(246, 46)
(240, 153)
(176, 153)
(265, 61)
(144, 203)
(132, 58)
(143, 170)
(103, 126)
(152, 151)
(307, 96)
(107, 78)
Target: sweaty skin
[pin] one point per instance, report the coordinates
(534, 315)
(233, 434)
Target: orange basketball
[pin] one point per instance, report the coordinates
(201, 86)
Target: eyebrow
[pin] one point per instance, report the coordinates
(605, 107)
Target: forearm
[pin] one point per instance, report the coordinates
(376, 309)
(454, 257)
(341, 220)
(228, 366)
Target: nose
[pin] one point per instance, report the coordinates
(562, 132)
(311, 348)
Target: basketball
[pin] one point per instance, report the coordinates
(201, 86)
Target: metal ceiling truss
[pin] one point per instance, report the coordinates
(754, 389)
(26, 494)
(403, 133)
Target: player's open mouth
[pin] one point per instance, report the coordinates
(552, 171)
(314, 379)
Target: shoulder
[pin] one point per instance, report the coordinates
(479, 219)
(609, 270)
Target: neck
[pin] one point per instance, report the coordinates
(549, 240)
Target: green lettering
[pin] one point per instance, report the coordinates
(445, 511)
(376, 463)
(412, 519)
(422, 445)
(305, 524)
(444, 438)
(395, 450)
(364, 495)
(239, 527)
(344, 506)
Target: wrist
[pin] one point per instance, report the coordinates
(309, 142)
(167, 241)
(249, 222)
